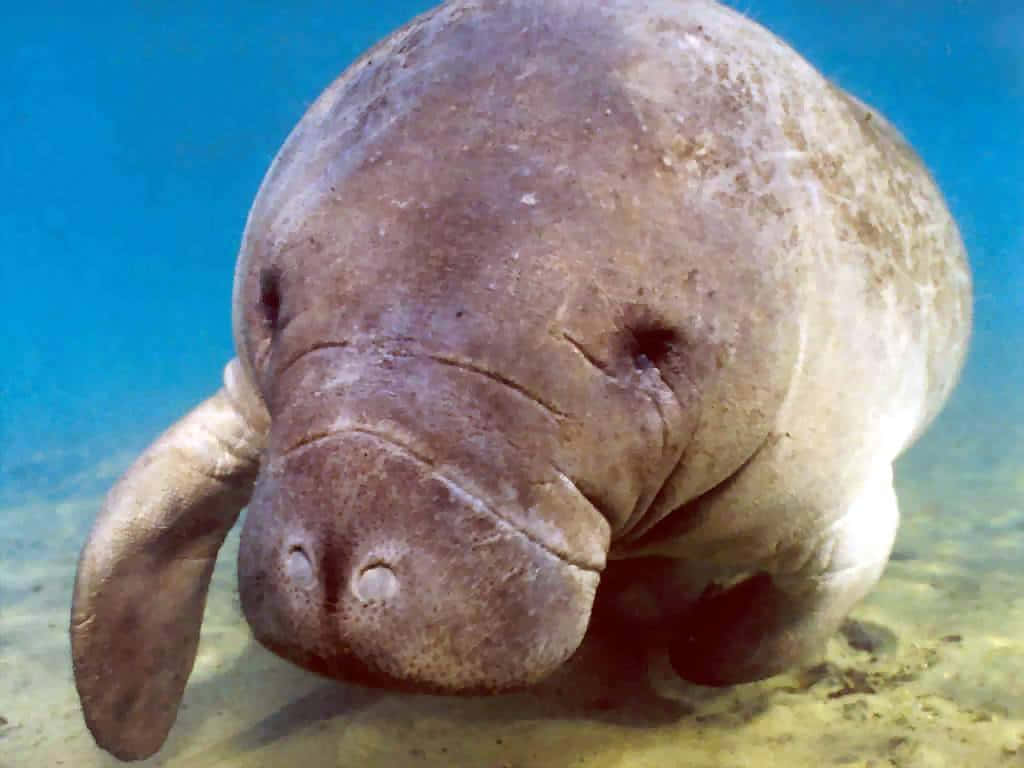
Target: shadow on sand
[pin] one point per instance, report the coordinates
(614, 685)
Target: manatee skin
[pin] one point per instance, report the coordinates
(535, 291)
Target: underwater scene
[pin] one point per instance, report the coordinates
(136, 139)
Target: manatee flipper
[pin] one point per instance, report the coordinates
(144, 572)
(770, 622)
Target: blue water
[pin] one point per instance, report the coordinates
(134, 136)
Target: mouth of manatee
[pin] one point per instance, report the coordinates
(368, 558)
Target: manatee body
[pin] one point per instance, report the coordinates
(534, 288)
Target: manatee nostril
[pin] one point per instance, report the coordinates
(299, 567)
(375, 582)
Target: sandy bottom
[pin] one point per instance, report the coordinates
(929, 673)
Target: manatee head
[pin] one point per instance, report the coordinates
(456, 419)
(479, 322)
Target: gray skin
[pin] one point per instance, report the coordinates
(535, 288)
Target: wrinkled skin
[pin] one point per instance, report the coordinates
(533, 289)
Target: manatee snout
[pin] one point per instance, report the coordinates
(362, 561)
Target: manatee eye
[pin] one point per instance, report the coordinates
(270, 296)
(647, 341)
(652, 346)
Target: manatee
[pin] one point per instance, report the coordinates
(536, 291)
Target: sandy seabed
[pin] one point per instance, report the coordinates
(929, 671)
